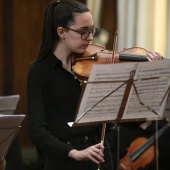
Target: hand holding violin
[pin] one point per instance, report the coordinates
(151, 55)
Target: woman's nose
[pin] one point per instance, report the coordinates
(90, 37)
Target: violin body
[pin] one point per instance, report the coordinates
(127, 162)
(141, 152)
(83, 63)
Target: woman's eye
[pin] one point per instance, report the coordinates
(83, 31)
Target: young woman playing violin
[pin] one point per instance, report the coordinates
(53, 92)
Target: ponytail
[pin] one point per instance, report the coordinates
(57, 14)
(48, 35)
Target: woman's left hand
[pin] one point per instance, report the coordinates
(152, 55)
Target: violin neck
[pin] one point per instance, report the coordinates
(132, 57)
(147, 144)
(91, 57)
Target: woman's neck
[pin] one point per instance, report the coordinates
(63, 55)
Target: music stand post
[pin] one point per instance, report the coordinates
(117, 94)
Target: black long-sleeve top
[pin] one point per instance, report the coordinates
(53, 94)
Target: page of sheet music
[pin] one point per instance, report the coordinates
(167, 109)
(8, 104)
(9, 125)
(94, 92)
(151, 91)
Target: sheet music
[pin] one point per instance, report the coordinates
(167, 108)
(111, 78)
(9, 125)
(151, 92)
(8, 104)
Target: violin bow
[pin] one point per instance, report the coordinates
(114, 46)
(102, 139)
(104, 124)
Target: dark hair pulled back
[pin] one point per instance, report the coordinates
(57, 14)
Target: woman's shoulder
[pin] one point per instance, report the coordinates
(50, 61)
(37, 71)
(37, 67)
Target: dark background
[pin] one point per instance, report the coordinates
(20, 34)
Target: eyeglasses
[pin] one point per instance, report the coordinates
(84, 34)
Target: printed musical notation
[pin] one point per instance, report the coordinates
(105, 90)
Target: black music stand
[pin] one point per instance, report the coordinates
(125, 92)
(167, 109)
(8, 134)
(8, 104)
(9, 127)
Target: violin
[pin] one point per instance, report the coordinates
(141, 152)
(82, 64)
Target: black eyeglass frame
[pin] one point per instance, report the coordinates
(81, 32)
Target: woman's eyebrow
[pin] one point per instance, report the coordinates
(85, 27)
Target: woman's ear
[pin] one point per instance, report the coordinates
(61, 32)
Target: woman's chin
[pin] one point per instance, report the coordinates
(82, 51)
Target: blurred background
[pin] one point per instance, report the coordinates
(139, 23)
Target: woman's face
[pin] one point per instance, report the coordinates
(78, 35)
